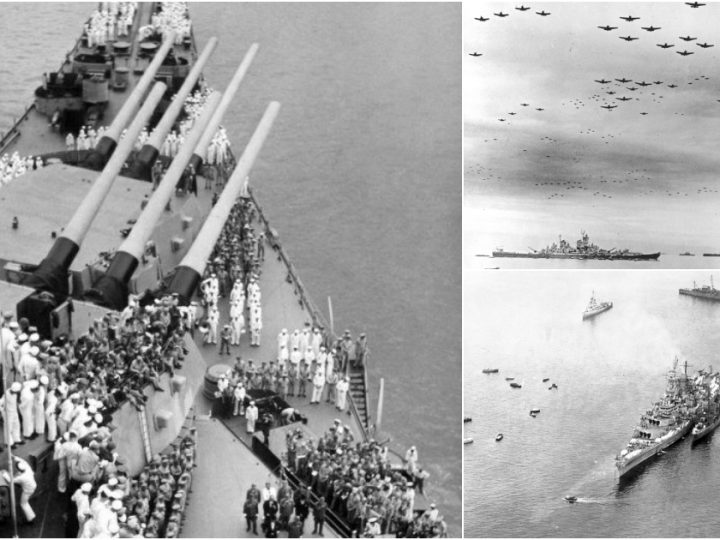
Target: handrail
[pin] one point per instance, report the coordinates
(316, 314)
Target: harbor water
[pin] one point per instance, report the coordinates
(608, 371)
(361, 178)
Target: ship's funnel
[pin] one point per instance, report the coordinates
(142, 167)
(51, 274)
(108, 142)
(190, 271)
(111, 290)
(202, 146)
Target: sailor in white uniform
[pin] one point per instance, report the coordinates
(26, 408)
(10, 399)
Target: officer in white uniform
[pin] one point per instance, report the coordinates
(26, 408)
(213, 321)
(251, 416)
(318, 385)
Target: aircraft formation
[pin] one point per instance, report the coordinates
(616, 95)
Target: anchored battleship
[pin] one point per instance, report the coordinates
(708, 292)
(595, 308)
(112, 228)
(583, 250)
(666, 422)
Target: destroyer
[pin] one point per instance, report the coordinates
(665, 423)
(595, 308)
(583, 250)
(708, 292)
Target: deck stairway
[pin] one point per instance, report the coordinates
(358, 392)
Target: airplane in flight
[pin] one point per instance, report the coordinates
(650, 28)
(482, 19)
(608, 107)
(643, 83)
(611, 92)
(657, 82)
(539, 109)
(542, 13)
(500, 14)
(632, 88)
(522, 8)
(628, 38)
(643, 113)
(524, 104)
(623, 80)
(688, 38)
(665, 45)
(623, 98)
(607, 27)
(705, 45)
(672, 85)
(475, 54)
(684, 53)
(630, 18)
(512, 113)
(601, 81)
(694, 4)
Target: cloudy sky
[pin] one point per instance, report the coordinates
(553, 62)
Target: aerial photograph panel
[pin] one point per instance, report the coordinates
(589, 135)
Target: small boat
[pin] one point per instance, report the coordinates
(535, 410)
(515, 385)
(490, 370)
(468, 440)
(570, 498)
(552, 386)
(499, 437)
(467, 419)
(509, 378)
(687, 254)
(546, 379)
(533, 414)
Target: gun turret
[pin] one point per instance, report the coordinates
(111, 289)
(142, 167)
(50, 278)
(109, 141)
(191, 268)
(201, 149)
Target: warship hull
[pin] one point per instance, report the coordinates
(641, 457)
(706, 295)
(597, 311)
(579, 256)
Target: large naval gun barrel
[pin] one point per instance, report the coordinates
(108, 142)
(111, 289)
(190, 271)
(142, 167)
(200, 151)
(51, 274)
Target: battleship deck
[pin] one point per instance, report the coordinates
(32, 134)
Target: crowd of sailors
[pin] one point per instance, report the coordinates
(358, 483)
(14, 165)
(109, 23)
(66, 391)
(171, 17)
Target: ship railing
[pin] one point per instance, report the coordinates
(13, 133)
(317, 316)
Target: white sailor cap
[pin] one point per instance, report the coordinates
(34, 337)
(86, 487)
(34, 350)
(22, 337)
(15, 387)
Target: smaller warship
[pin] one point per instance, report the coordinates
(708, 292)
(595, 308)
(583, 250)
